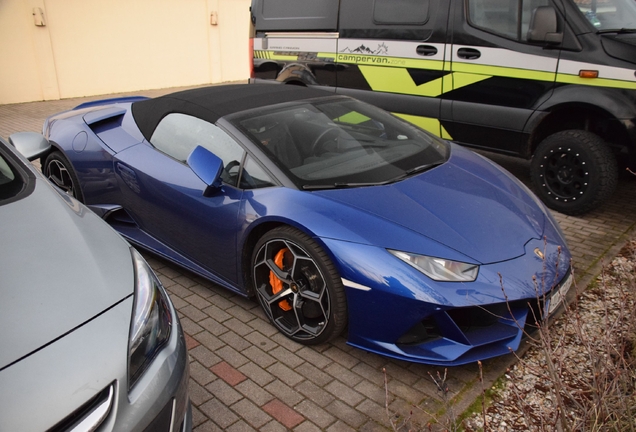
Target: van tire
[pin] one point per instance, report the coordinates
(574, 171)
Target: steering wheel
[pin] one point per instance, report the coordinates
(324, 137)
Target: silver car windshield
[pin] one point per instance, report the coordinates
(607, 15)
(341, 143)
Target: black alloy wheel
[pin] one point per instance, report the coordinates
(298, 287)
(574, 171)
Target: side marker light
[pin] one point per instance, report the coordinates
(588, 73)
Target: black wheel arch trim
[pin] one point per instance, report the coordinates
(620, 103)
(615, 105)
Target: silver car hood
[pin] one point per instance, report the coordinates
(60, 266)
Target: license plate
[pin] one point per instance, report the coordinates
(560, 294)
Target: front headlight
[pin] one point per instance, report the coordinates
(440, 269)
(151, 320)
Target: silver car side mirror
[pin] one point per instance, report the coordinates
(31, 145)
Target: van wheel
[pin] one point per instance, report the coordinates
(574, 171)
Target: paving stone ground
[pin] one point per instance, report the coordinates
(246, 376)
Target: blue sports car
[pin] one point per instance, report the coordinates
(334, 214)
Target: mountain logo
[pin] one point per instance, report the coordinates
(382, 49)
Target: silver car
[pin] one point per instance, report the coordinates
(90, 340)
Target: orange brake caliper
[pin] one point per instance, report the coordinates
(277, 284)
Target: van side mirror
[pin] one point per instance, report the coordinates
(543, 26)
(208, 167)
(31, 145)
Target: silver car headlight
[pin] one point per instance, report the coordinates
(151, 320)
(439, 269)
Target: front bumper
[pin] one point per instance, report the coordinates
(398, 312)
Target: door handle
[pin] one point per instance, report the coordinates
(468, 53)
(426, 50)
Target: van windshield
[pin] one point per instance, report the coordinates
(609, 15)
(341, 143)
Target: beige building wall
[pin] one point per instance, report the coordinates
(56, 49)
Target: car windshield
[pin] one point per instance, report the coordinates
(341, 143)
(10, 183)
(608, 15)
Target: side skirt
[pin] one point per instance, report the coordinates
(118, 219)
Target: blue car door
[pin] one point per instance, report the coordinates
(165, 197)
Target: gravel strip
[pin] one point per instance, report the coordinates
(582, 364)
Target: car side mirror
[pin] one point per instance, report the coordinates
(208, 167)
(544, 26)
(31, 145)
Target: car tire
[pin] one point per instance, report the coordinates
(574, 171)
(298, 287)
(60, 172)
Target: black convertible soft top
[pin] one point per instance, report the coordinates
(212, 103)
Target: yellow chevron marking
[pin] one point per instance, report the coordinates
(271, 55)
(262, 54)
(595, 82)
(461, 79)
(447, 83)
(503, 71)
(430, 124)
(398, 80)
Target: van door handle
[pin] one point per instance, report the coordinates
(468, 53)
(426, 50)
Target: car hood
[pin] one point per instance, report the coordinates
(467, 204)
(61, 267)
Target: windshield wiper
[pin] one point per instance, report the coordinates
(619, 31)
(345, 185)
(406, 174)
(417, 170)
(423, 168)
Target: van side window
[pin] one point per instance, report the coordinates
(508, 18)
(400, 11)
